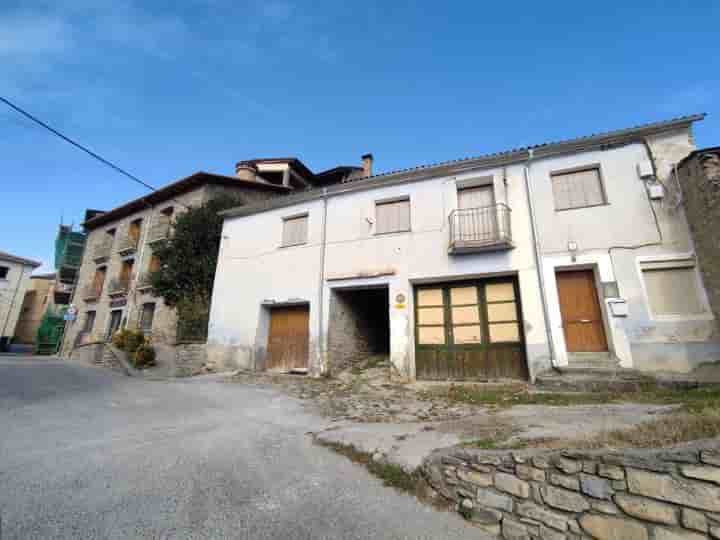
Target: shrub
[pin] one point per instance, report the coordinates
(134, 341)
(119, 339)
(128, 340)
(144, 356)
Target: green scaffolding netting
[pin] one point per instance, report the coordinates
(50, 331)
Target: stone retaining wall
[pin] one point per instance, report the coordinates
(670, 494)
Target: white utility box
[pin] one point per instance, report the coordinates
(656, 191)
(645, 170)
(619, 308)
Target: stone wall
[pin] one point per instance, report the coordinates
(700, 181)
(632, 495)
(359, 326)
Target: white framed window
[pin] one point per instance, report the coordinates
(673, 288)
(295, 230)
(578, 188)
(392, 215)
(4, 271)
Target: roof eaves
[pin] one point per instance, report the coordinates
(171, 190)
(5, 256)
(506, 157)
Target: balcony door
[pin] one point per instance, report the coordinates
(482, 222)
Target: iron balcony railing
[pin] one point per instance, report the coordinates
(143, 281)
(102, 250)
(91, 291)
(160, 229)
(118, 286)
(480, 229)
(128, 243)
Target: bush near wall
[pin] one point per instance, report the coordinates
(669, 494)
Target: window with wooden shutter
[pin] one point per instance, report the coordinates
(672, 287)
(89, 321)
(392, 216)
(146, 317)
(295, 230)
(577, 189)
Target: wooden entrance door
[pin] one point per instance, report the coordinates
(288, 338)
(470, 330)
(580, 309)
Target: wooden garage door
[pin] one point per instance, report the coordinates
(580, 309)
(469, 331)
(288, 338)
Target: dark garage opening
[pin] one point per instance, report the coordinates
(359, 326)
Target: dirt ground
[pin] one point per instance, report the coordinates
(402, 423)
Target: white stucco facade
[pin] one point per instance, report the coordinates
(343, 251)
(14, 281)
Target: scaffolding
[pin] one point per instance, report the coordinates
(51, 329)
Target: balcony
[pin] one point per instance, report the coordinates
(143, 282)
(118, 287)
(473, 230)
(128, 244)
(160, 230)
(91, 292)
(101, 251)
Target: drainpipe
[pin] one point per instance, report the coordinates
(143, 239)
(321, 283)
(537, 253)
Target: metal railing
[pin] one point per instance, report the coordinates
(118, 286)
(160, 229)
(102, 249)
(143, 281)
(91, 291)
(128, 242)
(477, 229)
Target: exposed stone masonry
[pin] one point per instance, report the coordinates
(671, 494)
(700, 181)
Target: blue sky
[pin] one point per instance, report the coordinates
(168, 88)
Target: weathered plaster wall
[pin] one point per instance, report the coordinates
(629, 495)
(700, 181)
(612, 239)
(274, 274)
(12, 294)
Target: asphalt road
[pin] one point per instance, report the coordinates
(86, 453)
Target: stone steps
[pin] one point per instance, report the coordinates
(593, 379)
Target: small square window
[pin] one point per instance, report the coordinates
(578, 188)
(295, 230)
(4, 270)
(392, 216)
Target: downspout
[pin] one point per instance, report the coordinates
(143, 239)
(537, 252)
(324, 369)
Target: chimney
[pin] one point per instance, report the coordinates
(367, 163)
(246, 171)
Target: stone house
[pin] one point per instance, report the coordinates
(564, 254)
(113, 289)
(699, 176)
(39, 296)
(14, 281)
